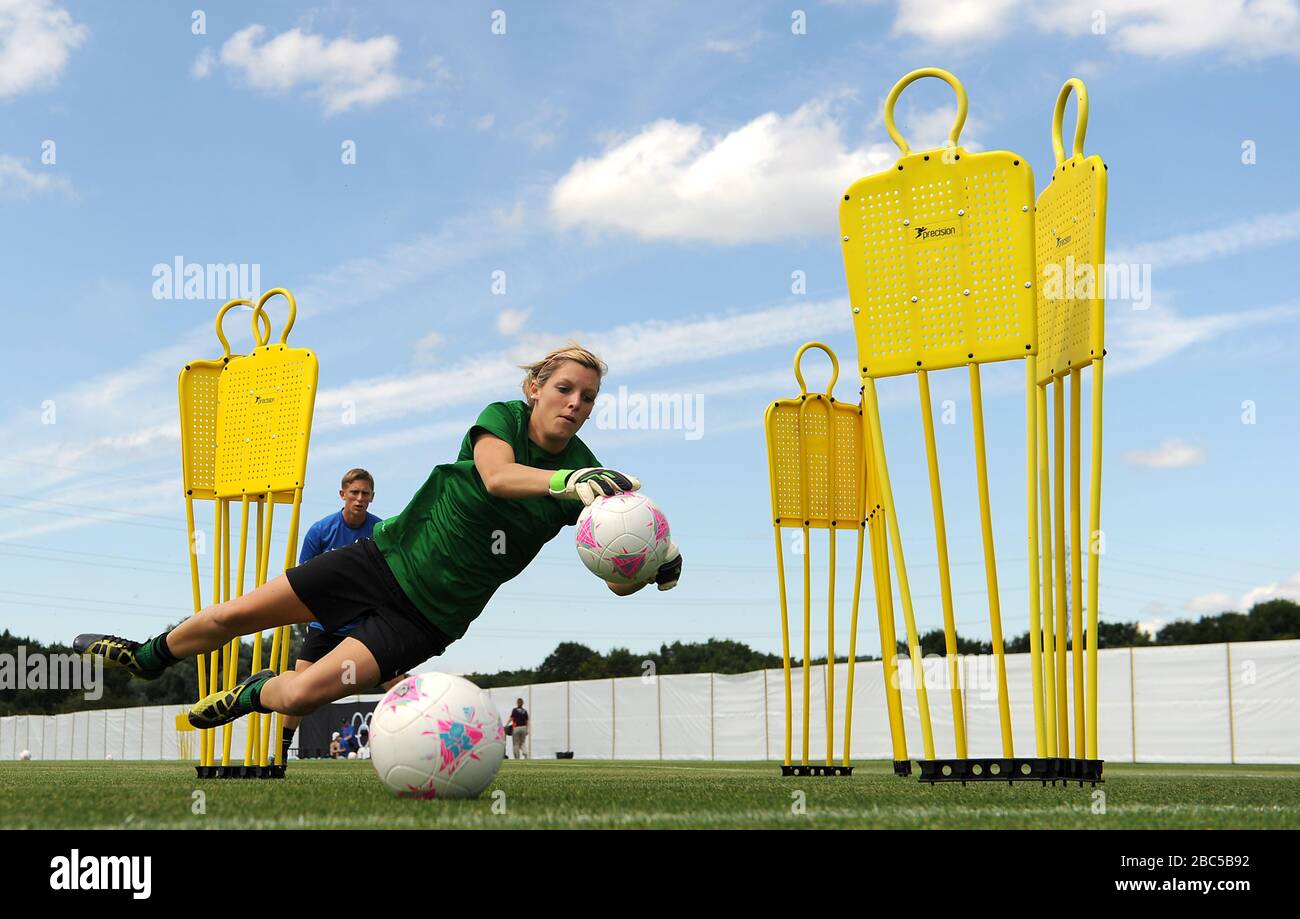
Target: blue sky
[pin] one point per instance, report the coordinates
(648, 180)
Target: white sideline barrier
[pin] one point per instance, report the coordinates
(1222, 703)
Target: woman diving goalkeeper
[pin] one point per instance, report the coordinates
(521, 476)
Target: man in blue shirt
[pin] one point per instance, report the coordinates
(340, 529)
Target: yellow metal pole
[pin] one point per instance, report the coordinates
(831, 457)
(830, 648)
(243, 546)
(884, 599)
(807, 641)
(1049, 630)
(262, 542)
(202, 663)
(853, 640)
(280, 662)
(214, 659)
(1094, 556)
(243, 563)
(232, 648)
(990, 560)
(1031, 528)
(785, 642)
(945, 576)
(888, 638)
(780, 575)
(807, 587)
(904, 589)
(1076, 565)
(264, 724)
(1062, 631)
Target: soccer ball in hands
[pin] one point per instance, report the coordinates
(435, 735)
(623, 538)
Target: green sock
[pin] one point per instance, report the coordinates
(251, 697)
(154, 653)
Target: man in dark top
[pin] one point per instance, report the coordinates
(519, 729)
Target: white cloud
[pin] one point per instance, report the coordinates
(1192, 248)
(1136, 339)
(1150, 626)
(1288, 589)
(511, 322)
(442, 74)
(732, 45)
(425, 345)
(539, 131)
(1245, 29)
(70, 508)
(775, 177)
(16, 180)
(485, 122)
(627, 349)
(385, 442)
(511, 219)
(1171, 454)
(36, 39)
(1167, 28)
(1205, 604)
(341, 73)
(949, 21)
(203, 64)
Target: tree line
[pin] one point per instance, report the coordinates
(1271, 620)
(178, 684)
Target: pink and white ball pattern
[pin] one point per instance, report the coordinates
(435, 735)
(623, 538)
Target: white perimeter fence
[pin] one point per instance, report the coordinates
(1221, 703)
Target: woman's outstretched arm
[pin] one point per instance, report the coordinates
(502, 476)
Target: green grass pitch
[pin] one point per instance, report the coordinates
(575, 794)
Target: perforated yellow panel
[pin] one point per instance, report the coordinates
(197, 390)
(799, 434)
(265, 403)
(940, 261)
(1071, 231)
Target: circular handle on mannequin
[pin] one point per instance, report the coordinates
(258, 313)
(835, 367)
(912, 78)
(293, 310)
(1080, 122)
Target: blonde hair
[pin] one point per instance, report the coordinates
(540, 371)
(353, 474)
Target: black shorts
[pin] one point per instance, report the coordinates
(356, 583)
(317, 644)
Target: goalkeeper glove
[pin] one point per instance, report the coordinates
(586, 485)
(671, 570)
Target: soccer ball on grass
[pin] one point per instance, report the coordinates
(435, 735)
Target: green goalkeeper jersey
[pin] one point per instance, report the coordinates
(455, 544)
